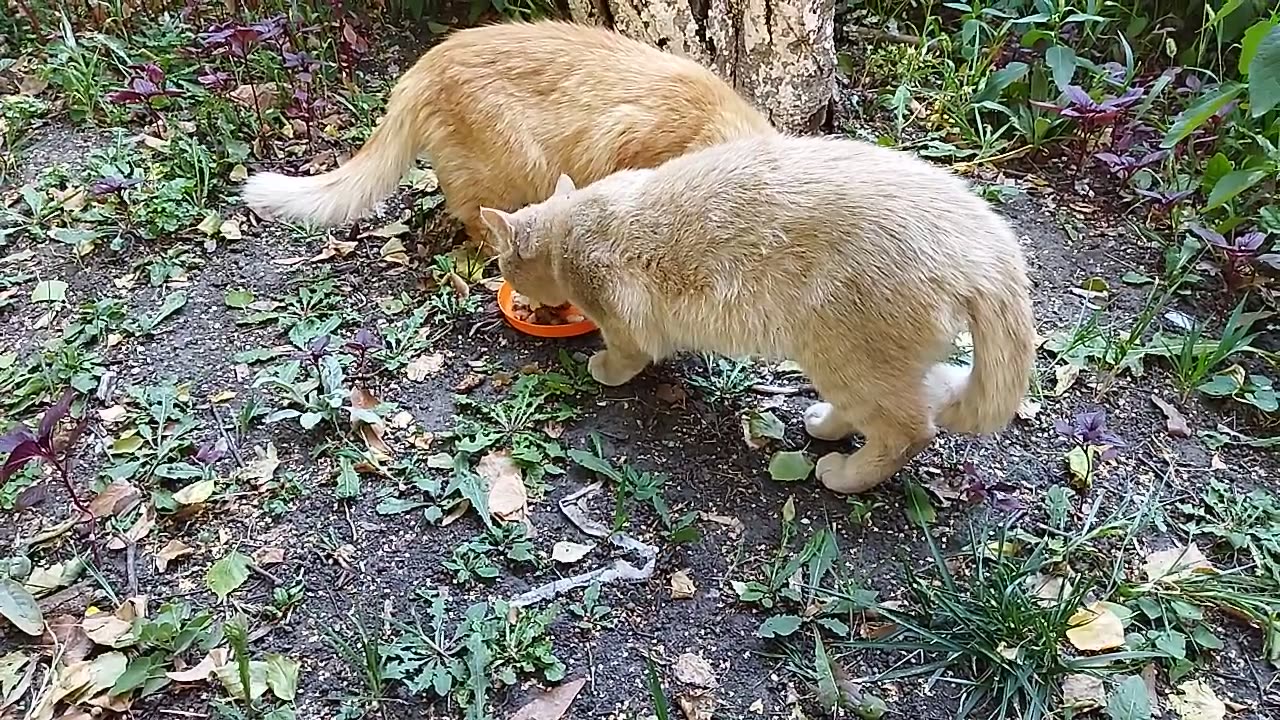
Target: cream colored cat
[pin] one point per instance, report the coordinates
(503, 110)
(859, 262)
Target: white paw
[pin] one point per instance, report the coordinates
(820, 422)
(830, 471)
(600, 368)
(841, 473)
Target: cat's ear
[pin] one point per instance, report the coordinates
(564, 185)
(501, 228)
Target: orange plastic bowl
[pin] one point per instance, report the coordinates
(506, 304)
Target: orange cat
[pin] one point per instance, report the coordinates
(858, 262)
(503, 110)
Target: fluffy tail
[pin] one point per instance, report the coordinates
(985, 398)
(345, 193)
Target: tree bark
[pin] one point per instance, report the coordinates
(780, 54)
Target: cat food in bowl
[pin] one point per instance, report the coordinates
(543, 321)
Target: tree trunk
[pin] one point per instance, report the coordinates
(780, 54)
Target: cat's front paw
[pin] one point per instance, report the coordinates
(607, 370)
(823, 423)
(844, 474)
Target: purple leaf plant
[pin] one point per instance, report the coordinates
(147, 85)
(20, 446)
(1238, 252)
(1089, 429)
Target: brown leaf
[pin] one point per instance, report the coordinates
(105, 628)
(1196, 700)
(32, 85)
(201, 671)
(172, 550)
(692, 669)
(682, 587)
(65, 632)
(260, 96)
(507, 494)
(423, 366)
(263, 468)
(371, 433)
(335, 248)
(671, 394)
(116, 499)
(1083, 692)
(267, 556)
(458, 511)
(697, 705)
(393, 252)
(1176, 563)
(1175, 421)
(550, 704)
(469, 382)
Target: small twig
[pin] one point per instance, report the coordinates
(265, 573)
(1015, 153)
(131, 568)
(783, 389)
(222, 430)
(866, 33)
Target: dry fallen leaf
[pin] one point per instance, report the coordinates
(682, 587)
(1095, 627)
(1083, 692)
(1195, 700)
(334, 248)
(372, 433)
(65, 633)
(141, 528)
(1175, 421)
(692, 669)
(1066, 377)
(507, 494)
(1176, 563)
(393, 252)
(267, 556)
(117, 498)
(257, 97)
(458, 511)
(105, 628)
(423, 366)
(223, 396)
(195, 493)
(201, 671)
(113, 414)
(570, 552)
(697, 705)
(469, 382)
(172, 550)
(550, 704)
(1028, 409)
(263, 468)
(1049, 590)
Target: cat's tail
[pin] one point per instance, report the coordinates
(345, 193)
(984, 398)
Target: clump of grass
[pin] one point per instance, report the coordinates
(984, 621)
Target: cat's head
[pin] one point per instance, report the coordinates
(524, 242)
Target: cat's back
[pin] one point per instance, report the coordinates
(563, 62)
(826, 186)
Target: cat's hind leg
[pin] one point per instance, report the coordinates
(897, 425)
